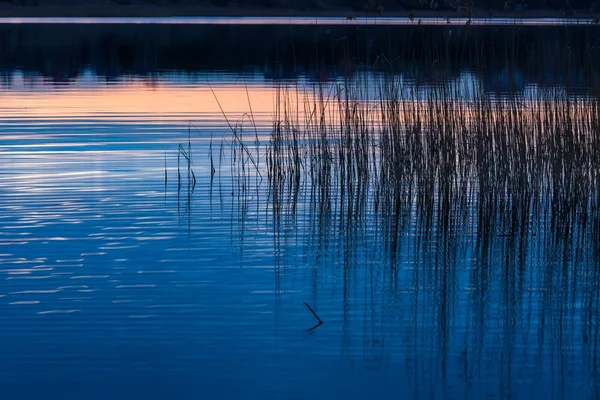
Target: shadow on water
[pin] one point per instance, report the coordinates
(458, 224)
(62, 53)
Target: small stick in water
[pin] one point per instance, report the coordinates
(313, 312)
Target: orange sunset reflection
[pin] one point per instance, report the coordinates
(138, 99)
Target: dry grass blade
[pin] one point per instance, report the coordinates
(313, 312)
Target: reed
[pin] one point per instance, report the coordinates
(470, 195)
(442, 151)
(444, 157)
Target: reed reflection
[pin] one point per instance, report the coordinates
(462, 234)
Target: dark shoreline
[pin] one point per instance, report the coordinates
(144, 10)
(547, 56)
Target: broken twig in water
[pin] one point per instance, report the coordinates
(315, 327)
(313, 313)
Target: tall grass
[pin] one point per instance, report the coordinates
(490, 200)
(445, 152)
(444, 157)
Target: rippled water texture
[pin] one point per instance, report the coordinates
(126, 275)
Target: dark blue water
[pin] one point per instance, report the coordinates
(118, 283)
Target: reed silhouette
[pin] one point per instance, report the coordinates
(456, 205)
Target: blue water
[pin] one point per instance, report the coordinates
(118, 283)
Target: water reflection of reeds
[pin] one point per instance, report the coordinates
(466, 211)
(492, 167)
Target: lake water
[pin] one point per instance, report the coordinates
(121, 280)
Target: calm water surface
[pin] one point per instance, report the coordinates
(119, 283)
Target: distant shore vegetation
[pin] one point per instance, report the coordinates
(347, 8)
